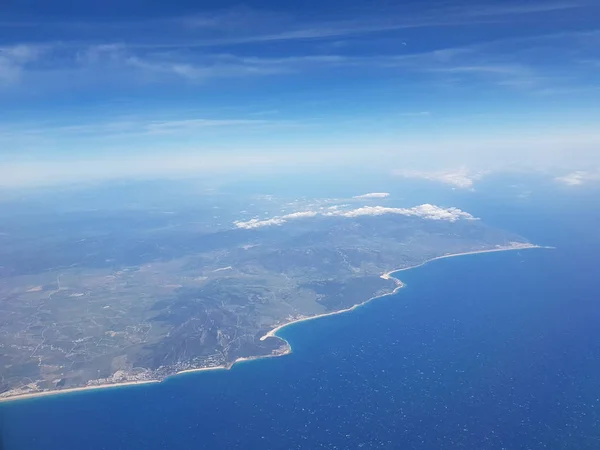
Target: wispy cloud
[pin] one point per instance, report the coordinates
(123, 63)
(130, 62)
(372, 195)
(500, 63)
(243, 25)
(521, 8)
(176, 126)
(578, 178)
(132, 126)
(460, 178)
(239, 26)
(191, 47)
(425, 211)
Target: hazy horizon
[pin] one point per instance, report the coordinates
(121, 91)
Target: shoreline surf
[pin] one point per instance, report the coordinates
(272, 333)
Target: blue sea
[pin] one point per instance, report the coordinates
(493, 351)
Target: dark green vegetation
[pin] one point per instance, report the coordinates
(140, 293)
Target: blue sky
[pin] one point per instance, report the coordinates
(135, 89)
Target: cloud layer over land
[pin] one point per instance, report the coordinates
(425, 211)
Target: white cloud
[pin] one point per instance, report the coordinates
(425, 211)
(301, 214)
(578, 178)
(373, 195)
(257, 223)
(460, 178)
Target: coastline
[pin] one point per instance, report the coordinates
(76, 389)
(399, 283)
(273, 332)
(475, 252)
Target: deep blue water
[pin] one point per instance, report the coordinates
(495, 351)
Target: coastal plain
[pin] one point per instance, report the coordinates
(92, 298)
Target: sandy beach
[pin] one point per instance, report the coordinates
(77, 389)
(386, 276)
(273, 332)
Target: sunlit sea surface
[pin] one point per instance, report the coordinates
(495, 351)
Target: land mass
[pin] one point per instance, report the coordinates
(136, 300)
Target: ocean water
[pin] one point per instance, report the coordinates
(493, 351)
